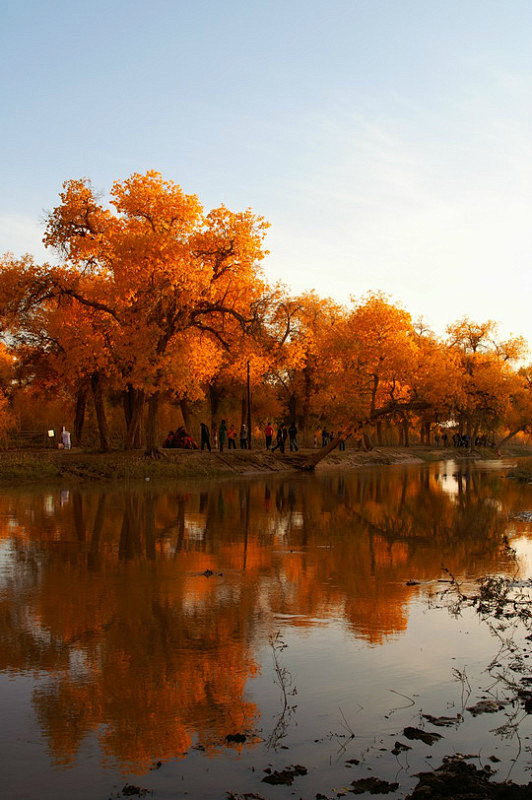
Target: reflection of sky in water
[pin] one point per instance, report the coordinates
(523, 547)
(447, 478)
(6, 560)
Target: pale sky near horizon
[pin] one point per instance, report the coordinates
(388, 142)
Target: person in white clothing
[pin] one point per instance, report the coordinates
(65, 438)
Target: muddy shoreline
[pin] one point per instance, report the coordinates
(78, 466)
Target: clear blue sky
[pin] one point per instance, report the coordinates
(388, 142)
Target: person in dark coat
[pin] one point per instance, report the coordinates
(222, 435)
(282, 434)
(292, 434)
(205, 437)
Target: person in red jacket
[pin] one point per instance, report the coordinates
(268, 433)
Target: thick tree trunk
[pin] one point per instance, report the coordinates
(152, 442)
(305, 407)
(406, 429)
(79, 416)
(401, 434)
(133, 403)
(292, 407)
(311, 462)
(214, 402)
(374, 387)
(367, 440)
(99, 405)
(507, 438)
(185, 413)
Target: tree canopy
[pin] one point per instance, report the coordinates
(155, 301)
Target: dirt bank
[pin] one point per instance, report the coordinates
(45, 466)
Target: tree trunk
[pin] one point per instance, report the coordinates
(214, 402)
(367, 440)
(99, 405)
(406, 429)
(185, 413)
(152, 446)
(378, 426)
(133, 403)
(79, 417)
(507, 438)
(292, 405)
(374, 387)
(310, 463)
(305, 406)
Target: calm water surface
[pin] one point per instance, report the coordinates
(140, 627)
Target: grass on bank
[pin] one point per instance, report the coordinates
(51, 466)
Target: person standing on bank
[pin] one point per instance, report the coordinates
(243, 436)
(292, 433)
(282, 434)
(231, 437)
(205, 437)
(222, 435)
(268, 434)
(65, 438)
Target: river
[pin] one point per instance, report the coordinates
(301, 616)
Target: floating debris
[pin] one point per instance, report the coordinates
(423, 736)
(443, 721)
(400, 748)
(285, 776)
(455, 780)
(485, 707)
(373, 786)
(239, 738)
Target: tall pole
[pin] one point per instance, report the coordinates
(249, 411)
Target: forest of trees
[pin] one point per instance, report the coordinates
(152, 314)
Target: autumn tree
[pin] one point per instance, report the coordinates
(371, 363)
(294, 332)
(59, 348)
(162, 278)
(487, 379)
(518, 417)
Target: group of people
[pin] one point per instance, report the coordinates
(461, 440)
(226, 434)
(180, 438)
(283, 433)
(231, 435)
(323, 437)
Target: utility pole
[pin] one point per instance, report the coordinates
(249, 411)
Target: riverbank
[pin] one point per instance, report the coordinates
(75, 466)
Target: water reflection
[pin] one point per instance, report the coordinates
(142, 611)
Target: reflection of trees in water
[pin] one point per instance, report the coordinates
(113, 592)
